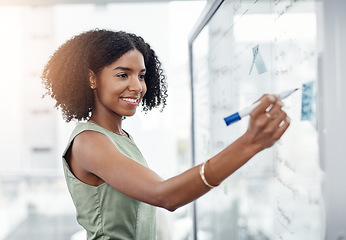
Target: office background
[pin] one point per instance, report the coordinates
(308, 50)
(34, 202)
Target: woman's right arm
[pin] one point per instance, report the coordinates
(94, 153)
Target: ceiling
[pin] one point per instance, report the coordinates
(51, 2)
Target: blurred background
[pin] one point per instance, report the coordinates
(34, 200)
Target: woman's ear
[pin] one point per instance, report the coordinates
(92, 79)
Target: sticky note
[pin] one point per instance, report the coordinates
(308, 101)
(258, 61)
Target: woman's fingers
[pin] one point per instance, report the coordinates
(282, 128)
(268, 109)
(275, 110)
(266, 101)
(277, 125)
(268, 121)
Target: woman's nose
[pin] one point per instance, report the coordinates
(135, 85)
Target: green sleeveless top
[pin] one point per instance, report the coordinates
(104, 212)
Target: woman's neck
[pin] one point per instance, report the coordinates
(113, 124)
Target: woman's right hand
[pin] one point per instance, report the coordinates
(268, 122)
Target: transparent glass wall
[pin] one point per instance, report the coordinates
(249, 48)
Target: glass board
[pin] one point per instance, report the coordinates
(246, 49)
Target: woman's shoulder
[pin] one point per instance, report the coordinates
(89, 132)
(82, 132)
(83, 126)
(87, 127)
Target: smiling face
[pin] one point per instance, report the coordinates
(120, 86)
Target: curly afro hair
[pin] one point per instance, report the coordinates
(66, 75)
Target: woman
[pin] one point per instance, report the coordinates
(98, 78)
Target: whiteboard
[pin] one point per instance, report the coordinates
(239, 51)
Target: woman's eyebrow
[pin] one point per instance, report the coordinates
(123, 68)
(128, 69)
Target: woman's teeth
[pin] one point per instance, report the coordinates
(130, 100)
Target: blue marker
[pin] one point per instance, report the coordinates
(246, 111)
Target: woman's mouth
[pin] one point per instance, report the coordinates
(131, 101)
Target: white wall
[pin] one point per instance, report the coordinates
(332, 88)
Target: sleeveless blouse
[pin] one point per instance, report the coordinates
(102, 211)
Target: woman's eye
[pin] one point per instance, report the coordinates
(142, 76)
(122, 75)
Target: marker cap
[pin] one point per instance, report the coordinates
(231, 119)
